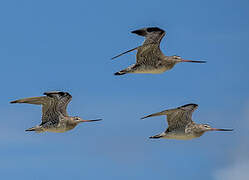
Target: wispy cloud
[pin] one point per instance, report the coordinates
(239, 168)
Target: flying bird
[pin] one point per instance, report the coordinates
(149, 57)
(54, 114)
(180, 124)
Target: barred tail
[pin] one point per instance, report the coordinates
(156, 136)
(30, 129)
(37, 129)
(120, 73)
(130, 69)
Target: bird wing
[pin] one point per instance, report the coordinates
(149, 54)
(48, 107)
(153, 35)
(53, 105)
(62, 99)
(177, 118)
(125, 52)
(33, 100)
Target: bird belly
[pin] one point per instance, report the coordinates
(57, 128)
(181, 136)
(150, 70)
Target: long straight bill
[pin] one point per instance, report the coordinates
(183, 60)
(216, 129)
(90, 120)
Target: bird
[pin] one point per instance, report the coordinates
(180, 124)
(54, 114)
(149, 57)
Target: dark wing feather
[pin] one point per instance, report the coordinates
(153, 35)
(62, 104)
(149, 54)
(54, 105)
(125, 52)
(33, 100)
(62, 100)
(179, 117)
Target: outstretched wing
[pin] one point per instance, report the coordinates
(125, 52)
(54, 105)
(33, 100)
(149, 52)
(179, 117)
(153, 35)
(62, 98)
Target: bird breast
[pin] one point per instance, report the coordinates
(182, 136)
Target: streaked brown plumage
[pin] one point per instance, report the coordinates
(149, 58)
(180, 124)
(54, 114)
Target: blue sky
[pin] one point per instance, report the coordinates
(67, 45)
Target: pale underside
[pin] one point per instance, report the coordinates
(178, 135)
(150, 70)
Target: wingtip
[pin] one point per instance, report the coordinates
(140, 32)
(12, 102)
(114, 57)
(151, 115)
(190, 104)
(143, 117)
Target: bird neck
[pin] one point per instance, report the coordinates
(71, 121)
(197, 130)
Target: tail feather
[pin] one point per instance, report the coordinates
(156, 136)
(120, 73)
(37, 129)
(30, 129)
(129, 69)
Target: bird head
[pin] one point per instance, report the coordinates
(80, 120)
(178, 59)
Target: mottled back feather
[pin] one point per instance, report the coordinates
(54, 105)
(149, 53)
(177, 118)
(151, 45)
